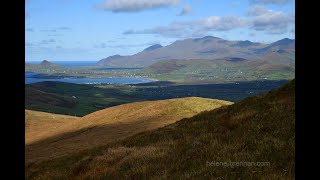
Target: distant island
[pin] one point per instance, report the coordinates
(48, 63)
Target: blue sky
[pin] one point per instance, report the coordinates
(82, 30)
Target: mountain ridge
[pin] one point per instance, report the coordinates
(153, 47)
(207, 47)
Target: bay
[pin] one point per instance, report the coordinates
(29, 79)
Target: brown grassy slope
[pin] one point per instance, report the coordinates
(257, 129)
(115, 123)
(41, 125)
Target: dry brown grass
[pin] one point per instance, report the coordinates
(262, 129)
(41, 125)
(46, 140)
(235, 120)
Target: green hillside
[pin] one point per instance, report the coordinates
(257, 129)
(272, 66)
(71, 99)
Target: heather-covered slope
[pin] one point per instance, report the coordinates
(257, 129)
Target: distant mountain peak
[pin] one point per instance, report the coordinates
(47, 63)
(115, 56)
(205, 38)
(44, 62)
(283, 41)
(110, 58)
(153, 47)
(244, 43)
(286, 39)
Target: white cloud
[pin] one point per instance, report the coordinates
(258, 19)
(121, 46)
(185, 10)
(257, 10)
(223, 23)
(272, 22)
(194, 28)
(135, 5)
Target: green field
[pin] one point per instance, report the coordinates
(79, 100)
(71, 99)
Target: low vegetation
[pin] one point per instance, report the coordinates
(71, 134)
(80, 100)
(41, 125)
(257, 129)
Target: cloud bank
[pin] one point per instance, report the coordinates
(194, 28)
(104, 45)
(258, 18)
(135, 5)
(272, 22)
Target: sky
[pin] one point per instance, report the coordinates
(82, 30)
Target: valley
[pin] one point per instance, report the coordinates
(80, 100)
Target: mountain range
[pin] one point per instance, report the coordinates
(206, 48)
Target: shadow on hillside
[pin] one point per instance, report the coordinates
(86, 138)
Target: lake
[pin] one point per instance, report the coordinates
(29, 79)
